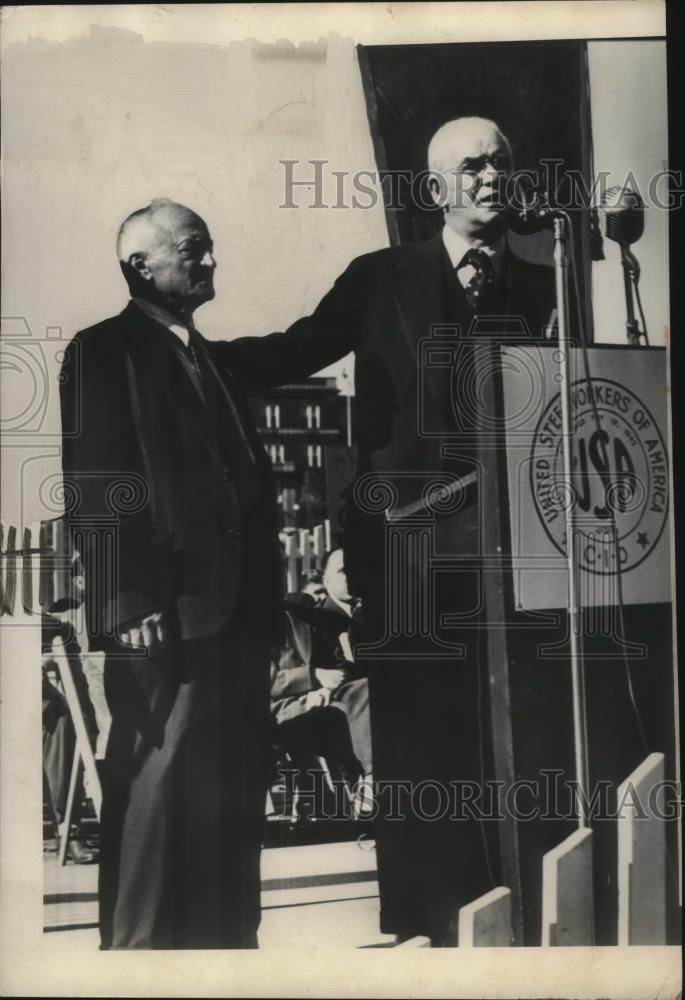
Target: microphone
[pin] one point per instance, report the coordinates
(532, 219)
(623, 214)
(529, 210)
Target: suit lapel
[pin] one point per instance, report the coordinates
(143, 335)
(420, 291)
(529, 296)
(301, 638)
(424, 299)
(219, 384)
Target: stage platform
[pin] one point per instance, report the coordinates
(312, 895)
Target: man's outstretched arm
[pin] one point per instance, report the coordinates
(310, 344)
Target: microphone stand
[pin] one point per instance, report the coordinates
(631, 276)
(561, 223)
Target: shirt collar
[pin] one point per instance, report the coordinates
(457, 246)
(165, 318)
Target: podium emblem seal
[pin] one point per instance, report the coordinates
(620, 476)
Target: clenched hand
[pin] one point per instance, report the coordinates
(149, 632)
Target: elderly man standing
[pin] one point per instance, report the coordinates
(182, 594)
(425, 707)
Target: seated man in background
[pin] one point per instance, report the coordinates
(318, 698)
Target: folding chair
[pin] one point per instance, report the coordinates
(83, 751)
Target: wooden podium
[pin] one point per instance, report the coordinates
(623, 544)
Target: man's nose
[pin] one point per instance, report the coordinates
(208, 259)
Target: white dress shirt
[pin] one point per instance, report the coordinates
(160, 315)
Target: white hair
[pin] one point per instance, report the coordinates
(441, 146)
(140, 229)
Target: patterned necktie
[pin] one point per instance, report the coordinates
(480, 291)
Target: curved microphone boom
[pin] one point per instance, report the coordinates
(622, 212)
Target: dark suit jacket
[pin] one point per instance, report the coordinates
(425, 713)
(181, 476)
(383, 307)
(312, 642)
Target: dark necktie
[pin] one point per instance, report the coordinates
(211, 388)
(191, 354)
(480, 291)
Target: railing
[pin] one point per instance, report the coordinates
(35, 566)
(36, 562)
(303, 550)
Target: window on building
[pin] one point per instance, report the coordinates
(272, 412)
(289, 496)
(313, 417)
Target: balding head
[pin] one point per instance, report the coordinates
(468, 157)
(166, 254)
(464, 136)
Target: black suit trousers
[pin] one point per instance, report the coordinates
(434, 843)
(184, 790)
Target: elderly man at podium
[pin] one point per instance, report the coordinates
(424, 678)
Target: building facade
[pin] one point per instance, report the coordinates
(297, 423)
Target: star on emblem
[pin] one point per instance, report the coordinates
(642, 539)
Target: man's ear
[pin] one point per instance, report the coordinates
(438, 188)
(137, 262)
